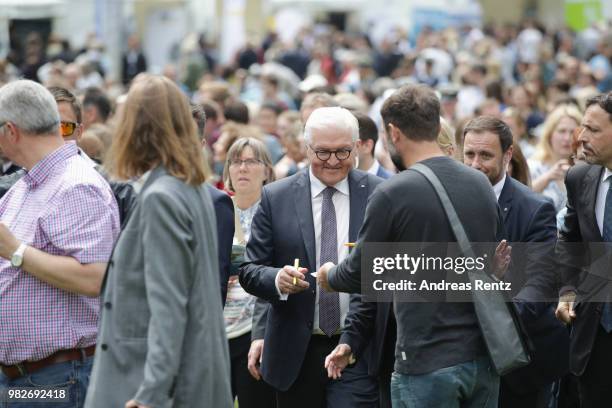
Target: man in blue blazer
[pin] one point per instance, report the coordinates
(528, 218)
(224, 212)
(368, 136)
(309, 217)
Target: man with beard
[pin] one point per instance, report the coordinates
(589, 220)
(441, 359)
(528, 217)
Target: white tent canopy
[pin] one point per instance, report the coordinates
(29, 9)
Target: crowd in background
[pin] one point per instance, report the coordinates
(251, 113)
(519, 73)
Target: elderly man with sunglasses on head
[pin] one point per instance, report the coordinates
(58, 224)
(71, 129)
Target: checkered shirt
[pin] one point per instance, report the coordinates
(62, 206)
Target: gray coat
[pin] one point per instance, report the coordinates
(162, 337)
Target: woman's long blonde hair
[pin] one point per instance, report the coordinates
(156, 128)
(544, 151)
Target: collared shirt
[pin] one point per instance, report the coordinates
(600, 204)
(62, 206)
(374, 168)
(498, 187)
(342, 205)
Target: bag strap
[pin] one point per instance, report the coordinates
(449, 209)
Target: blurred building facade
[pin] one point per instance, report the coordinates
(163, 25)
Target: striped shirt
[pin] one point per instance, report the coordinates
(62, 206)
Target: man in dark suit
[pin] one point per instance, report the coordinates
(368, 136)
(224, 212)
(440, 349)
(309, 217)
(133, 61)
(369, 334)
(528, 218)
(585, 297)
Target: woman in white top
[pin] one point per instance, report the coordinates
(550, 162)
(247, 169)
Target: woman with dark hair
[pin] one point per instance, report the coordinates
(518, 168)
(161, 341)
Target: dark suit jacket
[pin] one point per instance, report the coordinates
(12, 169)
(531, 218)
(371, 324)
(129, 71)
(582, 182)
(224, 212)
(283, 230)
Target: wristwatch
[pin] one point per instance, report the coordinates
(17, 258)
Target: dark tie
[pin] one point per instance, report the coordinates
(606, 315)
(329, 303)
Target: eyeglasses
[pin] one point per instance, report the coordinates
(68, 128)
(247, 162)
(324, 155)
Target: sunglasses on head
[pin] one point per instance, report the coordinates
(68, 128)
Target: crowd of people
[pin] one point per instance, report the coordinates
(194, 238)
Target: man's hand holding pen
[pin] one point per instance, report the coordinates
(292, 279)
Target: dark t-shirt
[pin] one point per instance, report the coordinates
(406, 208)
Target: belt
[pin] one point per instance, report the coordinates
(62, 356)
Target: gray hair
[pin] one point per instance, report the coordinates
(30, 106)
(335, 117)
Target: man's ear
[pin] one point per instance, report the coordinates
(394, 133)
(78, 133)
(13, 134)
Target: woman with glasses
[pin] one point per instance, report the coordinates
(247, 169)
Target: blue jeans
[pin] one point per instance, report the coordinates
(71, 375)
(474, 384)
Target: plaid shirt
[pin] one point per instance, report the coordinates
(62, 207)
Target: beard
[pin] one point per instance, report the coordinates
(396, 158)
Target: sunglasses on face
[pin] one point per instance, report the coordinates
(68, 128)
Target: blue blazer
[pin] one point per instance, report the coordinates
(283, 230)
(531, 218)
(224, 212)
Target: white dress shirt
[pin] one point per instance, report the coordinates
(498, 187)
(600, 204)
(374, 168)
(341, 200)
